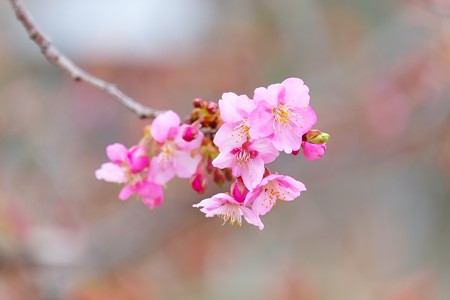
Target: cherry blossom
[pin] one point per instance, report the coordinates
(247, 160)
(124, 163)
(283, 114)
(175, 153)
(273, 188)
(229, 209)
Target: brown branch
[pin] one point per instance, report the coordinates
(57, 58)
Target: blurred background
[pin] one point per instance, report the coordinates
(374, 223)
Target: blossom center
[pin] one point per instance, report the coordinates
(241, 131)
(243, 155)
(230, 212)
(272, 194)
(284, 115)
(167, 152)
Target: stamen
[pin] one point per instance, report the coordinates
(230, 212)
(284, 116)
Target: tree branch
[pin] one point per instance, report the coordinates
(57, 58)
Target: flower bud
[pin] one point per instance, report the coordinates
(219, 177)
(228, 174)
(238, 190)
(199, 182)
(295, 152)
(317, 137)
(209, 167)
(199, 103)
(190, 133)
(212, 107)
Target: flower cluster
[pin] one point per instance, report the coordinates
(232, 141)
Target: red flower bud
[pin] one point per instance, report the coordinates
(199, 182)
(238, 190)
(295, 152)
(219, 177)
(190, 133)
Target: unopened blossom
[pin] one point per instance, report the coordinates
(283, 114)
(199, 181)
(124, 163)
(313, 151)
(273, 188)
(229, 209)
(234, 111)
(248, 160)
(175, 155)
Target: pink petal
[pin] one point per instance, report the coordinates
(297, 93)
(164, 125)
(286, 140)
(223, 160)
(252, 218)
(253, 172)
(185, 165)
(290, 187)
(228, 107)
(263, 203)
(117, 153)
(126, 192)
(261, 123)
(227, 138)
(160, 172)
(306, 119)
(152, 194)
(112, 173)
(265, 150)
(270, 97)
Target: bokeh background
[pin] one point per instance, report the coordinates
(374, 223)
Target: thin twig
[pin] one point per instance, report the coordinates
(57, 58)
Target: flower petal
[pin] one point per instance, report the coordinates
(253, 172)
(297, 93)
(117, 153)
(252, 218)
(112, 173)
(164, 125)
(160, 172)
(152, 194)
(126, 192)
(223, 160)
(184, 164)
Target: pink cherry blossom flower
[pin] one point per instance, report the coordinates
(150, 193)
(248, 160)
(175, 153)
(234, 111)
(124, 163)
(229, 209)
(272, 188)
(313, 151)
(283, 114)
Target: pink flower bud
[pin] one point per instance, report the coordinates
(238, 190)
(199, 182)
(190, 133)
(212, 107)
